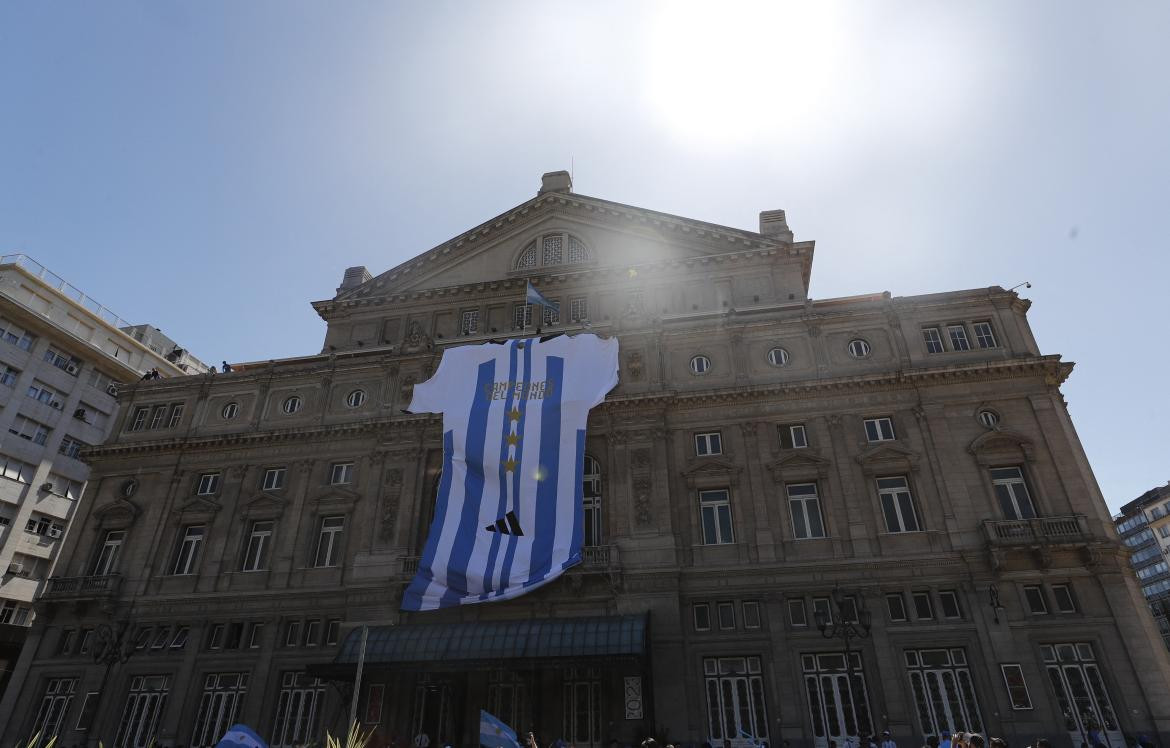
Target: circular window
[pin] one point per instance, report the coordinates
(129, 487)
(989, 418)
(355, 398)
(700, 365)
(292, 404)
(778, 357)
(230, 411)
(858, 348)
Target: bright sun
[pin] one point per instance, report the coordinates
(728, 72)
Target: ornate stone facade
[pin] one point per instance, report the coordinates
(762, 451)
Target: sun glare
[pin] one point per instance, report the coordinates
(725, 73)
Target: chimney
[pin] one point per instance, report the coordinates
(353, 278)
(773, 224)
(556, 181)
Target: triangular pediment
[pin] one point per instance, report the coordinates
(707, 469)
(610, 233)
(798, 464)
(118, 513)
(264, 504)
(888, 457)
(200, 507)
(336, 498)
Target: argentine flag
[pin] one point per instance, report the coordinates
(495, 734)
(744, 734)
(241, 736)
(508, 515)
(532, 296)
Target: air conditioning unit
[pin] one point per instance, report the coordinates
(112, 390)
(55, 531)
(16, 567)
(47, 487)
(71, 368)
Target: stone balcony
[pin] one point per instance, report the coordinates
(593, 558)
(1055, 530)
(82, 588)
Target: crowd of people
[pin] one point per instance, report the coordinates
(1093, 739)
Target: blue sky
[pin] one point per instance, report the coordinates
(212, 167)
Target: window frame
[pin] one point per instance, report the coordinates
(715, 506)
(263, 539)
(578, 308)
(795, 604)
(805, 501)
(291, 405)
(957, 335)
(1012, 485)
(932, 338)
(191, 559)
(706, 611)
(1008, 686)
(781, 353)
(708, 443)
(859, 348)
(897, 505)
(988, 332)
(786, 433)
(346, 471)
(1067, 589)
(208, 484)
(901, 598)
(753, 605)
(356, 398)
(469, 321)
(280, 473)
(230, 411)
(725, 606)
(923, 595)
(700, 365)
(334, 537)
(1040, 597)
(881, 425)
(953, 596)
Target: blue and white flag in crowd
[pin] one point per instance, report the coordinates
(508, 515)
(744, 734)
(495, 734)
(532, 296)
(241, 736)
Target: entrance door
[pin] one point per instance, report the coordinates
(507, 700)
(735, 700)
(838, 712)
(581, 707)
(434, 713)
(1080, 691)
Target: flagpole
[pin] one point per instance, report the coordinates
(357, 679)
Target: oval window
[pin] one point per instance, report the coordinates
(355, 398)
(292, 404)
(858, 348)
(700, 365)
(230, 411)
(989, 418)
(778, 357)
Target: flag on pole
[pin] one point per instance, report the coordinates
(532, 296)
(241, 736)
(495, 734)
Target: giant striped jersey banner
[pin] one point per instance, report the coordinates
(508, 515)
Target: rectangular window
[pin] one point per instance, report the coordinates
(71, 447)
(958, 336)
(469, 322)
(805, 507)
(329, 541)
(332, 630)
(158, 416)
(849, 609)
(223, 694)
(897, 505)
(30, 430)
(879, 429)
(793, 436)
(139, 421)
(735, 698)
(161, 638)
(896, 606)
(298, 711)
(551, 314)
(312, 633)
(176, 416)
(16, 336)
(54, 704)
(923, 606)
(62, 362)
(701, 614)
(254, 634)
(797, 615)
(182, 633)
(208, 484)
(88, 707)
(273, 479)
(63, 486)
(1017, 687)
(932, 339)
(710, 443)
(579, 309)
(215, 636)
(144, 707)
(42, 393)
(1034, 596)
(65, 641)
(235, 636)
(822, 611)
(751, 614)
(715, 516)
(726, 613)
(85, 641)
(292, 633)
(949, 603)
(985, 335)
(1062, 594)
(106, 561)
(521, 316)
(259, 546)
(187, 554)
(943, 691)
(13, 469)
(1012, 493)
(8, 376)
(341, 474)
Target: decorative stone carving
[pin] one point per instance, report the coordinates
(635, 367)
(394, 477)
(748, 429)
(389, 515)
(407, 387)
(642, 513)
(416, 340)
(640, 459)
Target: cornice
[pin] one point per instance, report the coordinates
(1051, 368)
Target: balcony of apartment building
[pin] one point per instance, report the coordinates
(96, 587)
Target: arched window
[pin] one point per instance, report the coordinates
(551, 250)
(591, 502)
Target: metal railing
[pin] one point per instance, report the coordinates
(1063, 528)
(92, 586)
(66, 289)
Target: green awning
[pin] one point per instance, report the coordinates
(535, 639)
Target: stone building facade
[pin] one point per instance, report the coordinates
(768, 463)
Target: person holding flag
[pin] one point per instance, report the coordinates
(241, 736)
(532, 297)
(495, 734)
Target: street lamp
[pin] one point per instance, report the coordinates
(846, 621)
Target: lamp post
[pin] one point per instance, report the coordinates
(846, 621)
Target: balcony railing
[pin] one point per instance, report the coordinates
(593, 557)
(80, 588)
(1065, 528)
(410, 565)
